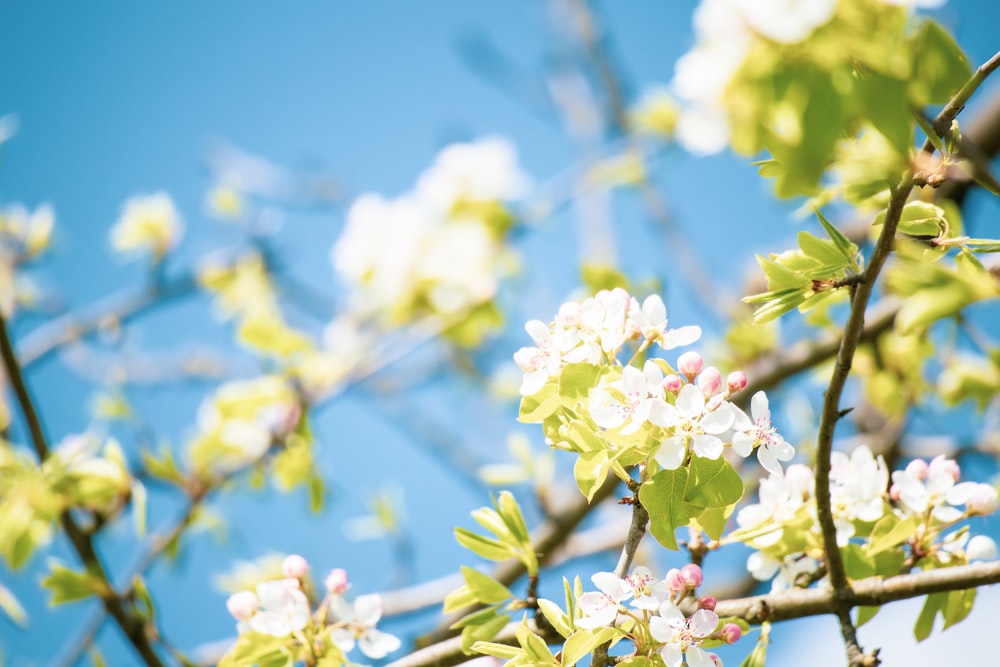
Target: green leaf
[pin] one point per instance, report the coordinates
(483, 631)
(601, 276)
(139, 508)
(890, 531)
(925, 621)
(555, 616)
(581, 643)
(865, 614)
(857, 564)
(957, 606)
(512, 518)
(485, 588)
(713, 520)
(533, 645)
(663, 498)
(583, 438)
(501, 651)
(778, 307)
(590, 470)
(780, 277)
(822, 250)
(712, 483)
(69, 585)
(459, 598)
(941, 66)
(541, 404)
(483, 546)
(255, 648)
(576, 381)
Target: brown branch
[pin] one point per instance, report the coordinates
(942, 123)
(783, 606)
(132, 626)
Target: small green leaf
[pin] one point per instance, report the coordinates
(941, 66)
(533, 645)
(865, 614)
(576, 381)
(890, 531)
(69, 585)
(10, 606)
(460, 598)
(822, 250)
(555, 616)
(957, 606)
(712, 483)
(541, 404)
(663, 498)
(501, 651)
(510, 512)
(483, 546)
(713, 520)
(485, 588)
(581, 643)
(925, 622)
(590, 470)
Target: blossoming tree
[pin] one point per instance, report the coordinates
(849, 107)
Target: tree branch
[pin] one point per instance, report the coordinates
(132, 626)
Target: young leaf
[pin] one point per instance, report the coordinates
(663, 498)
(485, 588)
(483, 546)
(712, 483)
(69, 585)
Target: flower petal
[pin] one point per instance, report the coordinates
(671, 453)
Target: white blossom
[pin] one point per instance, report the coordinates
(760, 433)
(284, 608)
(692, 423)
(683, 636)
(359, 626)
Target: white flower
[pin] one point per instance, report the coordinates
(651, 322)
(541, 362)
(641, 400)
(644, 586)
(691, 423)
(859, 483)
(760, 433)
(786, 21)
(781, 496)
(601, 607)
(284, 609)
(483, 171)
(683, 636)
(763, 566)
(359, 626)
(936, 492)
(149, 224)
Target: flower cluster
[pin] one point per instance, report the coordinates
(281, 608)
(659, 624)
(922, 502)
(674, 413)
(447, 250)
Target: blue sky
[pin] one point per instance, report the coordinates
(127, 97)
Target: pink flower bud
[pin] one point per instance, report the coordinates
(710, 381)
(691, 575)
(295, 567)
(690, 364)
(736, 381)
(708, 602)
(673, 383)
(242, 605)
(917, 468)
(674, 581)
(731, 633)
(983, 500)
(716, 660)
(570, 314)
(894, 493)
(336, 582)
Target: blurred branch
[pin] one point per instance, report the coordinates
(132, 625)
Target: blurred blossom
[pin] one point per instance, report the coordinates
(148, 224)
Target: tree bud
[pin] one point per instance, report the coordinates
(295, 567)
(690, 364)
